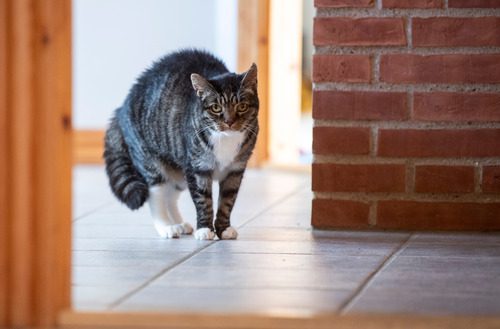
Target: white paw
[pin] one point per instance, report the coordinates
(186, 228)
(168, 231)
(204, 234)
(229, 233)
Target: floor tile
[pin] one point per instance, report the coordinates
(90, 298)
(235, 300)
(435, 282)
(186, 276)
(280, 220)
(96, 231)
(457, 238)
(328, 263)
(126, 258)
(440, 276)
(452, 250)
(183, 244)
(329, 247)
(402, 301)
(113, 275)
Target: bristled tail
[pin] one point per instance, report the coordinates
(126, 182)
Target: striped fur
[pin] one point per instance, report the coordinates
(169, 130)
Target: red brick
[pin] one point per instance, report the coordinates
(473, 4)
(456, 31)
(341, 68)
(334, 140)
(344, 3)
(491, 179)
(444, 179)
(359, 105)
(439, 143)
(456, 107)
(412, 3)
(329, 177)
(412, 215)
(451, 68)
(339, 214)
(346, 31)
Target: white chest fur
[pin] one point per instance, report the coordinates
(225, 146)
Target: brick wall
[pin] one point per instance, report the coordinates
(407, 114)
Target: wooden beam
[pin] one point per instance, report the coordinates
(21, 160)
(35, 157)
(4, 200)
(253, 47)
(52, 113)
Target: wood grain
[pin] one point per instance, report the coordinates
(53, 157)
(4, 189)
(253, 47)
(35, 157)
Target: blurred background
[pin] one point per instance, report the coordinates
(115, 40)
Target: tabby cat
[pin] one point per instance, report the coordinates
(186, 122)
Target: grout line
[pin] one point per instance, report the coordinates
(410, 176)
(156, 276)
(372, 214)
(366, 283)
(478, 177)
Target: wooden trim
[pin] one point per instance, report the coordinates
(36, 112)
(246, 321)
(88, 146)
(253, 47)
(4, 245)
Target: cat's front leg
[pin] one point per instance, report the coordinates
(228, 192)
(200, 187)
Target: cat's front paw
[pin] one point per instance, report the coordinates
(204, 234)
(229, 233)
(168, 231)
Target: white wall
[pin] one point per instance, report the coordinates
(115, 40)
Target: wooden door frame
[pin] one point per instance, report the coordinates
(35, 162)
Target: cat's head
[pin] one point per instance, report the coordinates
(229, 101)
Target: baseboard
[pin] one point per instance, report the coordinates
(88, 146)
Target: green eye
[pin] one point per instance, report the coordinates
(242, 107)
(215, 108)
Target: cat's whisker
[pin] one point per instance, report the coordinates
(198, 132)
(251, 130)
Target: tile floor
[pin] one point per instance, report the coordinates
(279, 265)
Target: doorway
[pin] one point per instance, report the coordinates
(111, 242)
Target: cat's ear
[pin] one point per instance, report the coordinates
(201, 85)
(249, 80)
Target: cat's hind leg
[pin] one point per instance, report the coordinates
(164, 223)
(172, 193)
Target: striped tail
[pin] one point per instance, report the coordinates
(126, 182)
